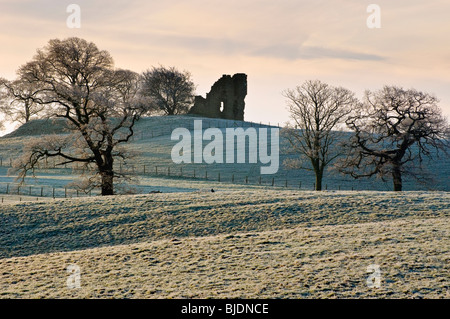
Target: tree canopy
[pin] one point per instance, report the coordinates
(77, 82)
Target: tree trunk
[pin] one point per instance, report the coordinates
(397, 178)
(107, 183)
(319, 174)
(27, 111)
(107, 174)
(318, 181)
(170, 111)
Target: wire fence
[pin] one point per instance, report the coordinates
(148, 170)
(211, 173)
(18, 189)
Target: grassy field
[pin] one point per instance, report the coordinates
(176, 238)
(252, 243)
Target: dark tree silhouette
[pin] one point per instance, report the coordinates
(318, 110)
(170, 90)
(16, 100)
(393, 128)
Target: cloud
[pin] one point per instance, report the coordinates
(287, 40)
(293, 52)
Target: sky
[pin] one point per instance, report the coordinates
(278, 44)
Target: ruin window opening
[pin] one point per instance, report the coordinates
(221, 107)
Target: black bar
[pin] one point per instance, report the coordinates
(235, 308)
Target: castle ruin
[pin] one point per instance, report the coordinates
(225, 100)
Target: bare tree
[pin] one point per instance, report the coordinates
(394, 129)
(3, 96)
(318, 110)
(101, 105)
(16, 100)
(170, 90)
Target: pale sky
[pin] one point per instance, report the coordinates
(278, 44)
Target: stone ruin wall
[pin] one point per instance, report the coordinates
(225, 100)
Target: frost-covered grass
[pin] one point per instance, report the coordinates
(304, 262)
(254, 243)
(63, 225)
(245, 241)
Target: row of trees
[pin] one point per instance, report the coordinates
(73, 80)
(166, 90)
(387, 134)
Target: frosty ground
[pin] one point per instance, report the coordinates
(244, 240)
(257, 242)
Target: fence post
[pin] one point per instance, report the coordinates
(194, 173)
(232, 178)
(273, 181)
(219, 177)
(206, 174)
(285, 184)
(30, 190)
(7, 188)
(299, 185)
(42, 191)
(246, 179)
(144, 169)
(53, 193)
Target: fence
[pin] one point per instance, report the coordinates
(145, 170)
(18, 189)
(188, 172)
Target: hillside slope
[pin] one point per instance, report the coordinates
(305, 262)
(72, 224)
(152, 145)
